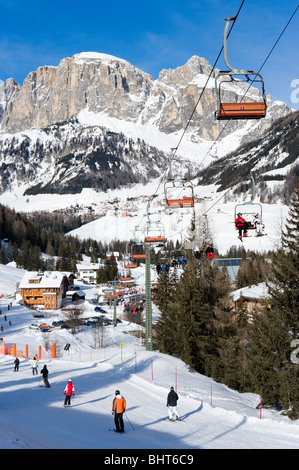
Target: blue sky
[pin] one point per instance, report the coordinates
(154, 35)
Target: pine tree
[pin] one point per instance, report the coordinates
(189, 309)
(166, 337)
(284, 288)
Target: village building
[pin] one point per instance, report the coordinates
(87, 272)
(74, 296)
(45, 290)
(109, 254)
(252, 298)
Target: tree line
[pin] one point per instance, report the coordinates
(24, 238)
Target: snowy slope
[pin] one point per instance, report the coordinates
(31, 417)
(113, 226)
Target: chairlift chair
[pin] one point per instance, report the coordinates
(137, 256)
(155, 233)
(178, 194)
(242, 110)
(253, 215)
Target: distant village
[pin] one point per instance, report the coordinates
(123, 208)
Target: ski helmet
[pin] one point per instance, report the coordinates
(117, 392)
(70, 380)
(239, 215)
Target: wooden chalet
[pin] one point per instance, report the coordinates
(45, 290)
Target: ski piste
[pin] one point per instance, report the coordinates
(117, 432)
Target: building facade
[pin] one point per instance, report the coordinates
(45, 291)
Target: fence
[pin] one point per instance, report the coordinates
(26, 351)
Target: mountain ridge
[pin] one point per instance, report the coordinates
(95, 104)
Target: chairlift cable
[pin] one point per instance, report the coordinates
(264, 62)
(247, 172)
(273, 47)
(205, 85)
(266, 59)
(174, 150)
(191, 116)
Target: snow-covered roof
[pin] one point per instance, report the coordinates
(259, 291)
(49, 279)
(88, 266)
(80, 293)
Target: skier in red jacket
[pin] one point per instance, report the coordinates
(241, 224)
(68, 392)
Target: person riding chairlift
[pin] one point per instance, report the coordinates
(241, 224)
(258, 224)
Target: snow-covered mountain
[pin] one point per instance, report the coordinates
(98, 121)
(96, 131)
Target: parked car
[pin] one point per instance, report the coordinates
(58, 323)
(100, 309)
(98, 321)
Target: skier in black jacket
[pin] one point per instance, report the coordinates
(172, 400)
(45, 373)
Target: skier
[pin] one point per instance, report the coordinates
(34, 366)
(172, 399)
(16, 363)
(241, 224)
(45, 373)
(68, 392)
(118, 409)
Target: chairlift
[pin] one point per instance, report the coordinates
(178, 194)
(155, 232)
(243, 110)
(252, 213)
(130, 266)
(139, 256)
(135, 255)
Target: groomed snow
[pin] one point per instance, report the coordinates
(32, 417)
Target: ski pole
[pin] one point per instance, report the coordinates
(129, 420)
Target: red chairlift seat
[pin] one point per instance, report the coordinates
(243, 110)
(139, 256)
(184, 202)
(158, 239)
(175, 188)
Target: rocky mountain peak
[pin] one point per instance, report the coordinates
(102, 83)
(99, 82)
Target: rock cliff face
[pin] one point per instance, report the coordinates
(106, 84)
(8, 91)
(45, 145)
(56, 94)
